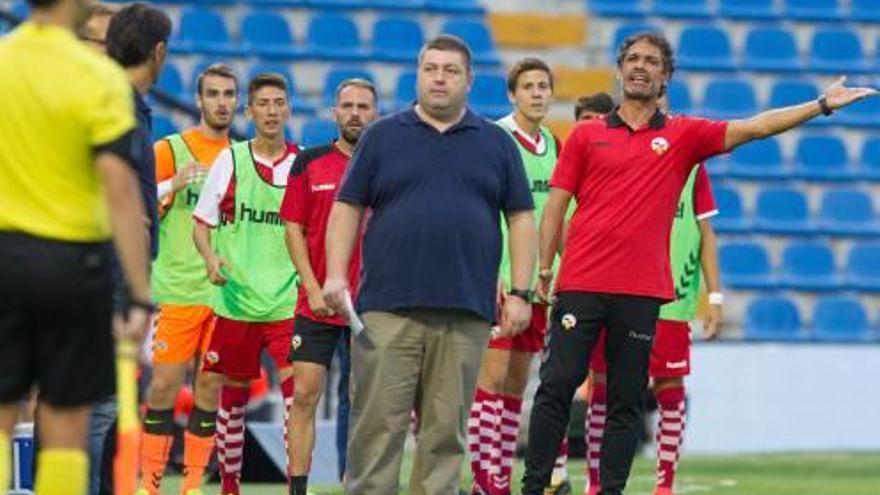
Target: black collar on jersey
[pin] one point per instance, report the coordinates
(657, 121)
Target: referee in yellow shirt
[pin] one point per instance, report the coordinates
(66, 117)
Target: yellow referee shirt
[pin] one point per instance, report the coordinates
(58, 101)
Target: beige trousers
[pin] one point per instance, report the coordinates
(422, 359)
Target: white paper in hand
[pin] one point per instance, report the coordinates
(355, 323)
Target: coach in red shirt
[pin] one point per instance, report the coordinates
(626, 172)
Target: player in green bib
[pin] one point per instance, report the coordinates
(693, 252)
(505, 367)
(255, 282)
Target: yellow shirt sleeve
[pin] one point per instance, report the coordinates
(109, 111)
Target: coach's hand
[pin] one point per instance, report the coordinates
(131, 325)
(214, 267)
(838, 96)
(713, 322)
(515, 316)
(317, 303)
(335, 290)
(185, 176)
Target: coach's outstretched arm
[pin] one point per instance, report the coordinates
(773, 122)
(342, 231)
(550, 238)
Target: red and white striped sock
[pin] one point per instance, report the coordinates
(595, 427)
(230, 436)
(670, 431)
(560, 469)
(287, 394)
(482, 432)
(508, 430)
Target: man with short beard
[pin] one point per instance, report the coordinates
(317, 329)
(627, 171)
(181, 289)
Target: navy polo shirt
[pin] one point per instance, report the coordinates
(433, 237)
(145, 166)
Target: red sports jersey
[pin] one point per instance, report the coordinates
(311, 190)
(627, 184)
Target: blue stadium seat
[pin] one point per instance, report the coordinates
(316, 132)
(814, 10)
(745, 265)
(397, 39)
(476, 34)
(454, 7)
(171, 82)
(162, 127)
(334, 37)
(809, 266)
(773, 318)
(771, 49)
(870, 159)
(865, 113)
(300, 104)
(786, 92)
(624, 31)
(841, 319)
(401, 5)
(731, 216)
(336, 76)
(268, 35)
(837, 51)
(203, 31)
(617, 8)
(848, 212)
(338, 4)
(726, 99)
(759, 160)
(748, 9)
(863, 267)
(822, 158)
(695, 9)
(212, 2)
(865, 10)
(279, 3)
(783, 210)
(20, 9)
(488, 96)
(678, 93)
(705, 48)
(405, 94)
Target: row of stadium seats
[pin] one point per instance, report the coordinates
(329, 36)
(817, 157)
(832, 50)
(805, 266)
(427, 6)
(800, 10)
(837, 318)
(732, 98)
(784, 210)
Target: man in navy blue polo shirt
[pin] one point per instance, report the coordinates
(437, 180)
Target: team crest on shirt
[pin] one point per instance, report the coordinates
(568, 321)
(659, 145)
(212, 357)
(160, 346)
(296, 342)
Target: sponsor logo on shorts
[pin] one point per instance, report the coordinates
(323, 187)
(677, 365)
(640, 336)
(568, 321)
(296, 342)
(212, 357)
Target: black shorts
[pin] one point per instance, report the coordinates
(55, 320)
(315, 342)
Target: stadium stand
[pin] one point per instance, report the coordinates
(773, 318)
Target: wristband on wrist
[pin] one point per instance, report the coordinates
(716, 298)
(524, 294)
(545, 273)
(823, 106)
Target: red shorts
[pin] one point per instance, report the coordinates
(670, 355)
(235, 346)
(529, 340)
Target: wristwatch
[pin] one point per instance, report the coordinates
(524, 294)
(823, 106)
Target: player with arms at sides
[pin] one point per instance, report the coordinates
(181, 289)
(627, 171)
(693, 252)
(311, 190)
(256, 282)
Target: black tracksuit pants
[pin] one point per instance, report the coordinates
(575, 323)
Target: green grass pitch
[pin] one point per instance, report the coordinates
(793, 474)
